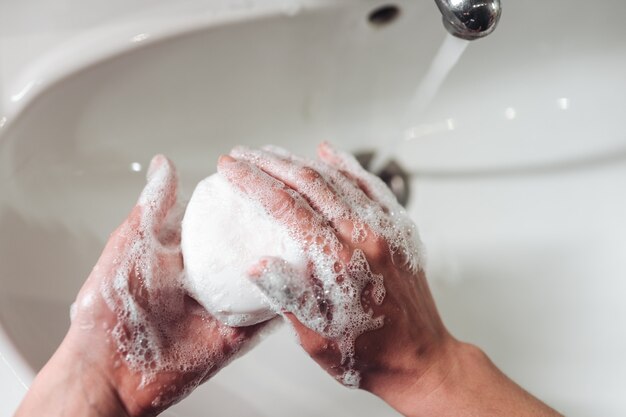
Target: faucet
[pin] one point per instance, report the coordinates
(470, 19)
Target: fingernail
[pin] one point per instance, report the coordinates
(225, 160)
(256, 270)
(156, 163)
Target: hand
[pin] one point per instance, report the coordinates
(363, 311)
(136, 336)
(365, 278)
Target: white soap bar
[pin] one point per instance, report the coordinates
(224, 234)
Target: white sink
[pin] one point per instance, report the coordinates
(519, 190)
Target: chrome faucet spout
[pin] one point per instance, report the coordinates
(470, 19)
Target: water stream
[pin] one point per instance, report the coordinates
(444, 61)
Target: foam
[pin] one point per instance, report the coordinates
(224, 234)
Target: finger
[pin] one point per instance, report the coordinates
(366, 212)
(300, 175)
(159, 196)
(371, 185)
(288, 291)
(279, 282)
(323, 350)
(309, 339)
(324, 187)
(344, 176)
(281, 202)
(393, 224)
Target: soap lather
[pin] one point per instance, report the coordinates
(224, 234)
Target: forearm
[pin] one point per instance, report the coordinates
(67, 386)
(465, 383)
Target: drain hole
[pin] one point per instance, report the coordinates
(384, 15)
(392, 174)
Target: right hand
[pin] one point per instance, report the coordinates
(339, 212)
(133, 321)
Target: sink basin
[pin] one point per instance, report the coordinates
(518, 166)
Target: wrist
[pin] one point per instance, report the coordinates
(442, 386)
(69, 385)
(463, 382)
(103, 367)
(411, 382)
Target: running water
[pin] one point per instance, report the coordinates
(446, 58)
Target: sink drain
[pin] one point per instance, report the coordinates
(392, 174)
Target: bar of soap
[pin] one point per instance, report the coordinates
(224, 233)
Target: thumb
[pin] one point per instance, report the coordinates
(290, 293)
(159, 197)
(280, 283)
(277, 280)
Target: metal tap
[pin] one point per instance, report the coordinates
(470, 19)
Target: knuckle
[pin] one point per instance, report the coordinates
(283, 202)
(377, 250)
(309, 174)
